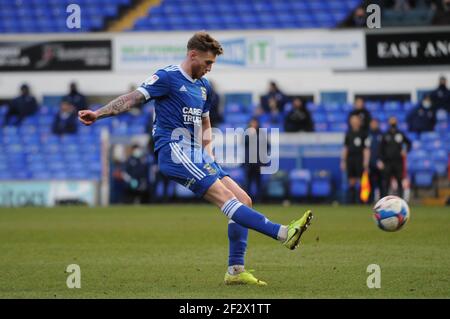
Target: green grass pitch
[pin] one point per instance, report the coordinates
(180, 251)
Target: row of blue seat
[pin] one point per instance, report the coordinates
(50, 16)
(297, 184)
(175, 15)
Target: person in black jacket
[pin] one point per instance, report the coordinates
(362, 112)
(20, 107)
(66, 120)
(355, 156)
(440, 97)
(276, 96)
(75, 97)
(299, 118)
(423, 117)
(393, 148)
(136, 176)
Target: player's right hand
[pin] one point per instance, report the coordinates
(87, 117)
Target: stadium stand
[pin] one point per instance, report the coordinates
(253, 14)
(41, 155)
(46, 16)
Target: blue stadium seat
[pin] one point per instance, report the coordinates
(332, 107)
(428, 137)
(5, 175)
(393, 106)
(319, 117)
(373, 106)
(299, 180)
(338, 127)
(423, 178)
(440, 161)
(160, 189)
(321, 184)
(336, 117)
(276, 187)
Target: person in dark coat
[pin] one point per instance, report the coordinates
(298, 119)
(20, 107)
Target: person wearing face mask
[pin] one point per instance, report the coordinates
(423, 117)
(136, 177)
(440, 97)
(75, 97)
(393, 148)
(65, 121)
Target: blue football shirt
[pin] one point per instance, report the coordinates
(180, 103)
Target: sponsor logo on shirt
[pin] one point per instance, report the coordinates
(203, 93)
(192, 115)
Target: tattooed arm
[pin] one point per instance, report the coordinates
(119, 105)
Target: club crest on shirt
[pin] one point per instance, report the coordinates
(151, 80)
(203, 93)
(211, 170)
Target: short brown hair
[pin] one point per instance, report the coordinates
(202, 41)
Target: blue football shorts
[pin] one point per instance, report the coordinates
(197, 175)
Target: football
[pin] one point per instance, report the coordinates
(391, 213)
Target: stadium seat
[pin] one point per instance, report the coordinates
(428, 137)
(424, 178)
(276, 187)
(321, 184)
(299, 180)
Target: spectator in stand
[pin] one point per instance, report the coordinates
(216, 111)
(362, 112)
(298, 119)
(440, 97)
(356, 20)
(274, 99)
(423, 117)
(20, 107)
(66, 120)
(442, 15)
(76, 98)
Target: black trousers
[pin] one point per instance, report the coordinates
(376, 182)
(254, 175)
(392, 169)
